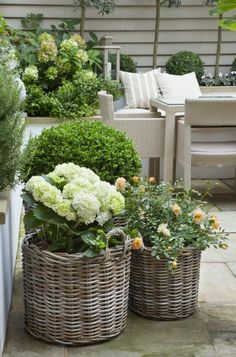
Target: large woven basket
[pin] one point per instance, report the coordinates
(156, 293)
(74, 300)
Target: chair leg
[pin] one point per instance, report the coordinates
(187, 177)
(235, 181)
(187, 157)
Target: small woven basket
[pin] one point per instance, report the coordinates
(156, 293)
(73, 300)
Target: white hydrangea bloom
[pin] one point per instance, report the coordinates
(44, 192)
(87, 206)
(88, 174)
(117, 202)
(64, 209)
(69, 171)
(83, 197)
(103, 217)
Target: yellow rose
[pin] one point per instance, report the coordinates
(152, 180)
(120, 183)
(176, 209)
(224, 246)
(162, 228)
(142, 189)
(135, 179)
(174, 264)
(137, 243)
(199, 215)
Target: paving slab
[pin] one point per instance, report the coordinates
(220, 320)
(229, 182)
(217, 186)
(227, 220)
(219, 255)
(217, 284)
(232, 267)
(147, 338)
(224, 202)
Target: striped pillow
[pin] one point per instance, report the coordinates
(178, 88)
(139, 88)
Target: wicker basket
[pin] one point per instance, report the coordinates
(73, 300)
(156, 293)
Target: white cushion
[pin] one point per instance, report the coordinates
(214, 147)
(135, 113)
(139, 88)
(178, 88)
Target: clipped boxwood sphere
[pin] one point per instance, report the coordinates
(233, 68)
(127, 63)
(185, 62)
(92, 144)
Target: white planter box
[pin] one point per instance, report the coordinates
(10, 211)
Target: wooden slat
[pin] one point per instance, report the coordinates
(132, 26)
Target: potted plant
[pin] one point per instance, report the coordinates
(174, 229)
(75, 263)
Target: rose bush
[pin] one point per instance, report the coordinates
(168, 218)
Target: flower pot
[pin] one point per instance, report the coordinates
(74, 300)
(157, 293)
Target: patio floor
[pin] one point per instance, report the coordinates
(211, 332)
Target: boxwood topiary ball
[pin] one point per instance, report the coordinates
(185, 62)
(92, 144)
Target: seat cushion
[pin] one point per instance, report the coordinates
(139, 88)
(217, 148)
(178, 88)
(136, 113)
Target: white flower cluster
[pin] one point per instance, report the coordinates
(30, 74)
(83, 196)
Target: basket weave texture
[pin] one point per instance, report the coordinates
(73, 300)
(156, 293)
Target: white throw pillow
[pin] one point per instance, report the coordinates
(139, 88)
(178, 88)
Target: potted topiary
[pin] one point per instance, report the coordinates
(171, 229)
(75, 265)
(185, 62)
(93, 144)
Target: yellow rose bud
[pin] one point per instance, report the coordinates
(151, 180)
(224, 246)
(174, 264)
(142, 189)
(135, 179)
(137, 243)
(120, 183)
(176, 209)
(215, 224)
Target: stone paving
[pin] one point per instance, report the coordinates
(210, 332)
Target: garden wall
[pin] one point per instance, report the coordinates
(132, 25)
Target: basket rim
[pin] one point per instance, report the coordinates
(184, 250)
(122, 248)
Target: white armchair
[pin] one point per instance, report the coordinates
(144, 127)
(208, 113)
